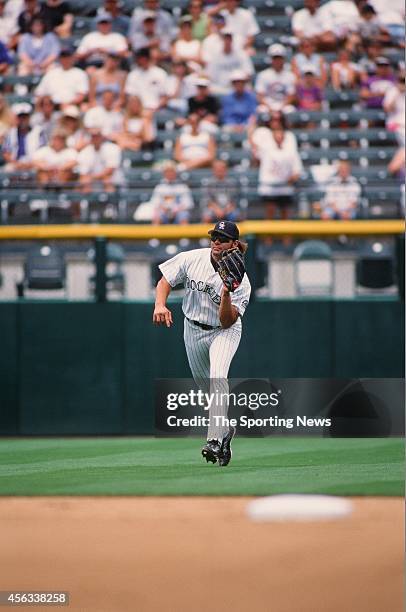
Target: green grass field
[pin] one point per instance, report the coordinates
(149, 466)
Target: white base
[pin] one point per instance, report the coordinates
(299, 508)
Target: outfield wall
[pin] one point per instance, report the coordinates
(85, 368)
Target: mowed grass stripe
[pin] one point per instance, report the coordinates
(149, 466)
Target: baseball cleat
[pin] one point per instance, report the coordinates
(211, 451)
(225, 450)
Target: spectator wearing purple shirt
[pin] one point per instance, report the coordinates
(239, 106)
(374, 86)
(308, 93)
(38, 50)
(5, 59)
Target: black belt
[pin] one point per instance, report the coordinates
(202, 325)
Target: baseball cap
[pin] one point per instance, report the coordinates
(202, 82)
(238, 75)
(148, 15)
(226, 228)
(185, 19)
(21, 108)
(71, 111)
(382, 61)
(308, 69)
(277, 50)
(103, 16)
(67, 50)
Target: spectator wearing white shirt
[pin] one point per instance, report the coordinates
(64, 84)
(280, 166)
(185, 47)
(194, 148)
(309, 22)
(99, 164)
(213, 44)
(240, 21)
(342, 195)
(343, 17)
(148, 82)
(8, 26)
(105, 116)
(171, 199)
(345, 74)
(70, 123)
(226, 61)
(148, 38)
(275, 86)
(55, 162)
(95, 46)
(394, 106)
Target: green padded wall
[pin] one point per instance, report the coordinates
(85, 368)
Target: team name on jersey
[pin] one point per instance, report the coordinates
(204, 287)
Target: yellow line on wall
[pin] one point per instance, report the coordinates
(167, 232)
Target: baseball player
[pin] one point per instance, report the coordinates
(217, 292)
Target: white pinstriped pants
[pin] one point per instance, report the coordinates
(210, 354)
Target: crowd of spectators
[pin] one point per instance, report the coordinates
(96, 100)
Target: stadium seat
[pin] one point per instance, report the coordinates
(44, 269)
(375, 267)
(313, 268)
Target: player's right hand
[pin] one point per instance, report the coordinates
(162, 316)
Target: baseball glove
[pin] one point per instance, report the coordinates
(231, 268)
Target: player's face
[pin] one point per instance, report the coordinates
(220, 243)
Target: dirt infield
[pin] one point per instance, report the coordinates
(195, 554)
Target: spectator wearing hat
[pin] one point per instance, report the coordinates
(213, 44)
(275, 86)
(171, 200)
(344, 72)
(309, 22)
(307, 55)
(138, 128)
(65, 83)
(204, 105)
(228, 59)
(238, 107)
(95, 46)
(147, 81)
(185, 47)
(108, 77)
(147, 38)
(374, 87)
(120, 22)
(200, 20)
(37, 50)
(220, 195)
(71, 125)
(99, 164)
(241, 22)
(21, 141)
(309, 94)
(180, 87)
(57, 17)
(55, 162)
(164, 21)
(194, 148)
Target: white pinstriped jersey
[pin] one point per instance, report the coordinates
(203, 286)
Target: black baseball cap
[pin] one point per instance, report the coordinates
(226, 228)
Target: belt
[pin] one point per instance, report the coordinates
(202, 325)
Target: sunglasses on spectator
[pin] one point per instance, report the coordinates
(220, 238)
